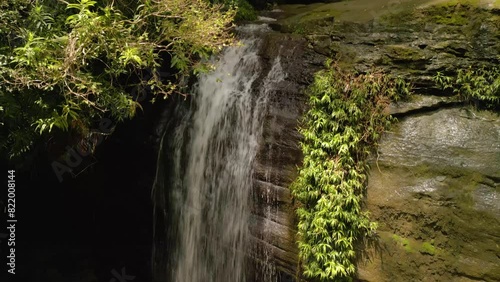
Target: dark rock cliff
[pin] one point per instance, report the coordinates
(273, 221)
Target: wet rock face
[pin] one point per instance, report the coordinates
(434, 189)
(273, 224)
(415, 43)
(455, 138)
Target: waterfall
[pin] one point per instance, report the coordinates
(202, 197)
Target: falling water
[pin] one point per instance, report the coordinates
(207, 206)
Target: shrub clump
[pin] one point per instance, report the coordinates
(245, 11)
(65, 66)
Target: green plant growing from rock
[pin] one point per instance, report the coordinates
(345, 121)
(411, 245)
(405, 242)
(428, 248)
(480, 86)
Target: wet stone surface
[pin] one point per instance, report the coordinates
(434, 190)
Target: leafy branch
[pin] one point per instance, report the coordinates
(77, 58)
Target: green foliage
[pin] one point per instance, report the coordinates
(345, 121)
(480, 85)
(66, 66)
(244, 10)
(298, 29)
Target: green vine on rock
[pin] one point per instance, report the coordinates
(480, 86)
(346, 118)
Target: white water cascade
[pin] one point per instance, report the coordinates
(208, 188)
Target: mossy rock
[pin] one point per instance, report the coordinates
(404, 53)
(449, 14)
(456, 48)
(311, 23)
(412, 246)
(405, 243)
(427, 248)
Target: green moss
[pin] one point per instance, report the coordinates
(427, 248)
(453, 3)
(404, 53)
(404, 242)
(449, 14)
(452, 19)
(311, 22)
(454, 14)
(411, 245)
